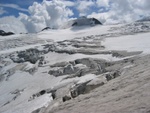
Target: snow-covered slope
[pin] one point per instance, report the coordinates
(38, 72)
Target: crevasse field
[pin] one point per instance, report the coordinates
(99, 69)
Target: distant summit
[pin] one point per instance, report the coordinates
(82, 21)
(86, 21)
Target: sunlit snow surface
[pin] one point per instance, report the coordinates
(139, 42)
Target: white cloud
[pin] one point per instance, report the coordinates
(122, 10)
(84, 6)
(2, 11)
(49, 13)
(14, 6)
(68, 3)
(104, 3)
(11, 23)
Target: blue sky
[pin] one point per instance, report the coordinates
(24, 4)
(14, 11)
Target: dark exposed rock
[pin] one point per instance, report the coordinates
(109, 77)
(41, 61)
(78, 89)
(75, 24)
(17, 91)
(81, 72)
(83, 88)
(53, 94)
(56, 72)
(112, 75)
(72, 62)
(6, 103)
(42, 92)
(86, 61)
(46, 28)
(88, 65)
(96, 21)
(3, 33)
(9, 73)
(115, 54)
(66, 98)
(30, 55)
(66, 51)
(18, 60)
(51, 47)
(69, 69)
(86, 21)
(60, 64)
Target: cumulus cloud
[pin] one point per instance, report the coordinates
(69, 3)
(84, 6)
(122, 10)
(48, 13)
(104, 3)
(11, 23)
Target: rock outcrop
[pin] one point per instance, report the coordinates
(78, 67)
(29, 55)
(86, 21)
(3, 33)
(46, 28)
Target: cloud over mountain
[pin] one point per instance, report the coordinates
(11, 23)
(121, 10)
(48, 13)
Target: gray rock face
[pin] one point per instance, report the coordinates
(87, 61)
(56, 72)
(86, 21)
(66, 98)
(112, 75)
(42, 92)
(88, 65)
(60, 64)
(78, 89)
(84, 88)
(30, 55)
(69, 69)
(46, 28)
(3, 33)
